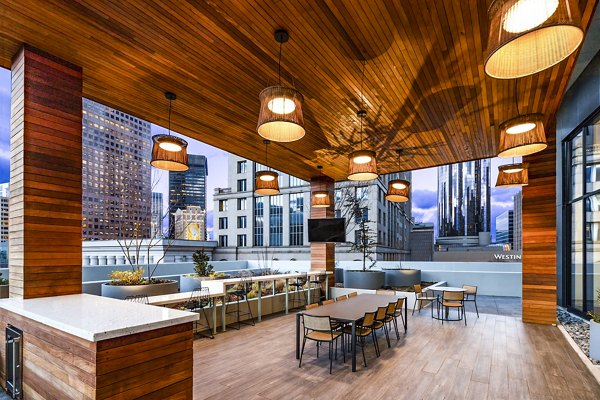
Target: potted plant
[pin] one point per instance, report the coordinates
(595, 333)
(399, 276)
(3, 287)
(203, 270)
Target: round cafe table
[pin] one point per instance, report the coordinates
(445, 289)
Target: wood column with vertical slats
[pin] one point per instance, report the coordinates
(45, 176)
(539, 236)
(322, 255)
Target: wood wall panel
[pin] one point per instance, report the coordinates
(45, 196)
(539, 236)
(425, 88)
(322, 255)
(156, 364)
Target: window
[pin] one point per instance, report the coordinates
(223, 223)
(259, 212)
(241, 240)
(241, 222)
(276, 221)
(222, 205)
(296, 219)
(362, 215)
(223, 240)
(242, 167)
(241, 185)
(241, 204)
(362, 192)
(582, 217)
(294, 182)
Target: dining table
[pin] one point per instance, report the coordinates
(350, 311)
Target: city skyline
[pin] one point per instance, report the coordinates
(424, 182)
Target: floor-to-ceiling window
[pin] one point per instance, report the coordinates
(259, 212)
(296, 219)
(582, 216)
(276, 220)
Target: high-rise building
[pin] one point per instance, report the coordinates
(505, 228)
(517, 221)
(464, 203)
(245, 223)
(156, 229)
(188, 188)
(4, 212)
(421, 242)
(190, 224)
(116, 174)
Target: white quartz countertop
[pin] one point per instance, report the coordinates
(96, 318)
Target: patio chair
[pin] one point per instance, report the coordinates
(311, 306)
(319, 329)
(398, 313)
(452, 300)
(381, 323)
(390, 317)
(420, 297)
(363, 330)
(240, 293)
(340, 298)
(298, 297)
(386, 292)
(198, 301)
(330, 301)
(471, 295)
(318, 282)
(138, 298)
(352, 294)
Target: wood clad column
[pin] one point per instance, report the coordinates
(322, 255)
(539, 236)
(45, 176)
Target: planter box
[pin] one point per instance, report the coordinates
(121, 292)
(364, 279)
(402, 277)
(3, 291)
(189, 283)
(594, 340)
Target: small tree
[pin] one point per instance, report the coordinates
(365, 243)
(201, 265)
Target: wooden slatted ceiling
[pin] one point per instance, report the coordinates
(425, 88)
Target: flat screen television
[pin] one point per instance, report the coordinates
(327, 230)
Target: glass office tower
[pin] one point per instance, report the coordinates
(463, 202)
(188, 188)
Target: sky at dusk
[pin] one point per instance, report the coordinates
(424, 182)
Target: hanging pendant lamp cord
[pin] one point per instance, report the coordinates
(279, 64)
(266, 155)
(170, 104)
(517, 96)
(362, 101)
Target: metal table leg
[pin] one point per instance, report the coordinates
(298, 336)
(326, 287)
(214, 315)
(309, 290)
(223, 314)
(353, 341)
(405, 315)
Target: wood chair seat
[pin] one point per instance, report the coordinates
(323, 336)
(360, 331)
(452, 304)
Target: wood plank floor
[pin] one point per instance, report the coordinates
(494, 357)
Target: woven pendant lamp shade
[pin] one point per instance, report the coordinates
(320, 199)
(169, 160)
(522, 143)
(398, 191)
(266, 182)
(362, 171)
(280, 118)
(513, 175)
(528, 36)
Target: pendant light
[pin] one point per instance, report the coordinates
(398, 189)
(169, 152)
(522, 135)
(266, 182)
(529, 36)
(513, 175)
(320, 198)
(280, 118)
(362, 163)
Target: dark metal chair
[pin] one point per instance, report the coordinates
(299, 298)
(320, 330)
(452, 300)
(138, 298)
(198, 301)
(318, 282)
(240, 293)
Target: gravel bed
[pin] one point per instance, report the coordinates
(578, 329)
